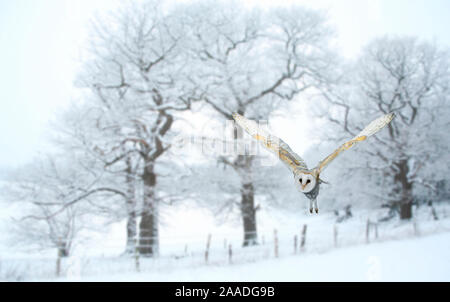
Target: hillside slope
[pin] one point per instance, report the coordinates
(420, 259)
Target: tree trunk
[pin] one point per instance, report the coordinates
(406, 210)
(248, 210)
(63, 251)
(248, 215)
(131, 232)
(148, 226)
(131, 210)
(242, 166)
(404, 189)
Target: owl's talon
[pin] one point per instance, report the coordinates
(317, 211)
(311, 210)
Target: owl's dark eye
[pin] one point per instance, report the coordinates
(308, 181)
(300, 180)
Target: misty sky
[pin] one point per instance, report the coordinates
(40, 42)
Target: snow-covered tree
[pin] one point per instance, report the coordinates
(410, 78)
(248, 62)
(46, 191)
(113, 191)
(140, 77)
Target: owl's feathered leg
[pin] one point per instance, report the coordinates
(311, 202)
(317, 206)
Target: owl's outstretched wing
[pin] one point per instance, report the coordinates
(272, 143)
(375, 126)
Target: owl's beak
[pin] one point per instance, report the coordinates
(303, 186)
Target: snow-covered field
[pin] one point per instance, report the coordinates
(423, 259)
(403, 251)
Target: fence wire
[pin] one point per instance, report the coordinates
(186, 252)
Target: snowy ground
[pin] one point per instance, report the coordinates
(404, 251)
(423, 259)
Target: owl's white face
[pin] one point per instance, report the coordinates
(305, 182)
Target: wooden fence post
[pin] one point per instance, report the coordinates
(416, 230)
(58, 264)
(367, 230)
(275, 242)
(137, 262)
(230, 253)
(58, 259)
(335, 235)
(303, 242)
(208, 243)
(433, 212)
(295, 244)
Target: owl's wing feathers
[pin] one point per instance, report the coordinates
(375, 126)
(272, 143)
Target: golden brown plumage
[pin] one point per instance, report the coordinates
(307, 180)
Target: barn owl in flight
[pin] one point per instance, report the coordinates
(306, 180)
